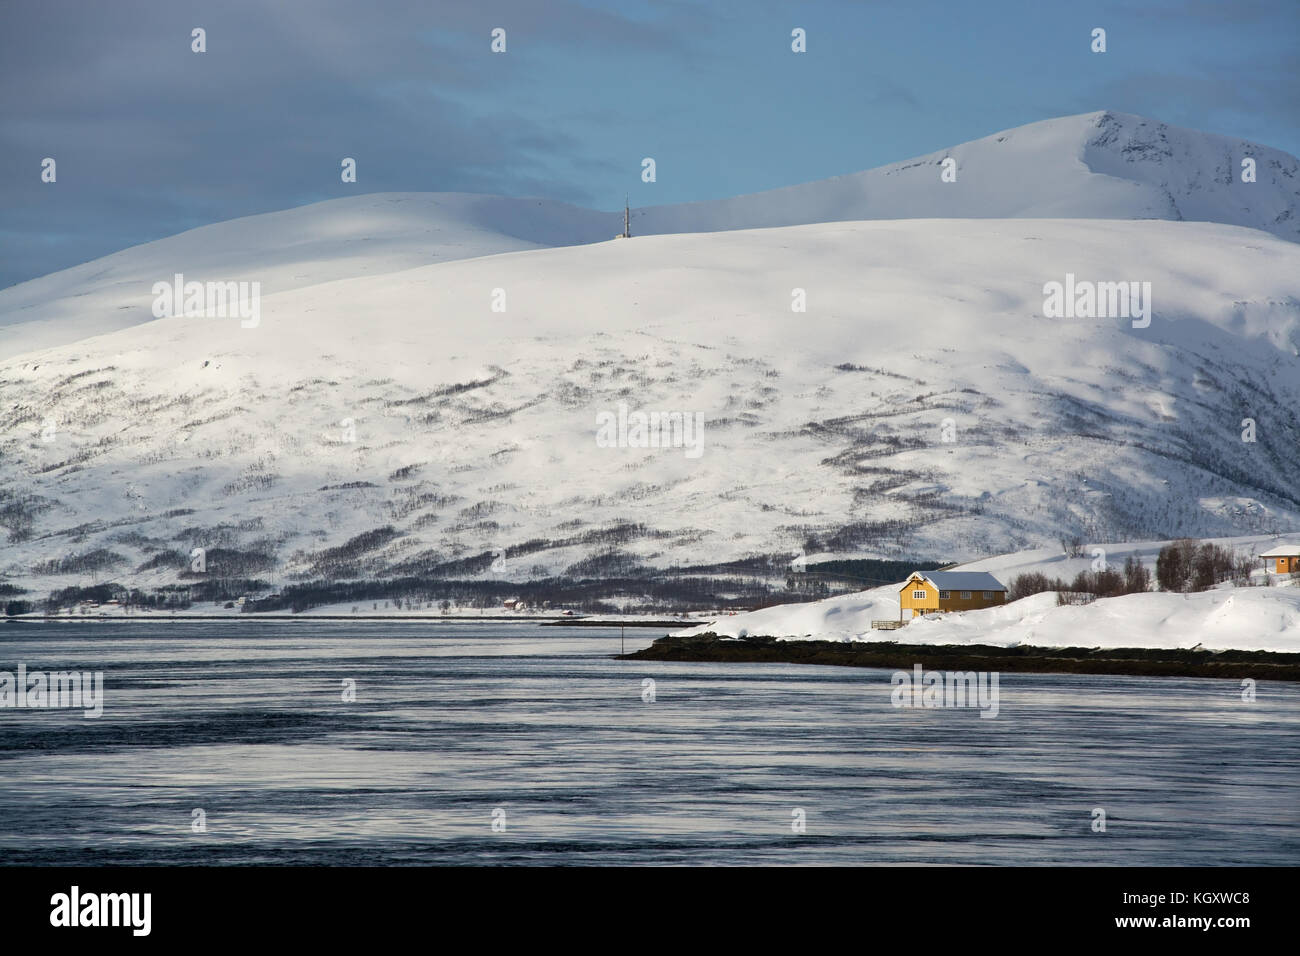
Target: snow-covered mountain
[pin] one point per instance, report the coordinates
(1102, 165)
(385, 419)
(403, 402)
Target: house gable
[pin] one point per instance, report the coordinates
(918, 593)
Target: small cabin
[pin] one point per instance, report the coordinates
(1284, 559)
(937, 592)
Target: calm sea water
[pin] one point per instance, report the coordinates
(455, 726)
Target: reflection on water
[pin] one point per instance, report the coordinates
(451, 723)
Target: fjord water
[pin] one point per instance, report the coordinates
(455, 726)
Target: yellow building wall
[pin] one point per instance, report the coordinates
(974, 602)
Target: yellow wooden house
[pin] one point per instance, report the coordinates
(936, 592)
(1283, 559)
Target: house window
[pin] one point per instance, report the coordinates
(965, 595)
(944, 595)
(918, 595)
(988, 595)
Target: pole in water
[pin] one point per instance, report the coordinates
(621, 649)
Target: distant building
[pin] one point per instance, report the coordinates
(1283, 559)
(936, 592)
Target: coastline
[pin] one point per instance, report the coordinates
(167, 617)
(1123, 661)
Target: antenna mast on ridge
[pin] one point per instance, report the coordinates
(627, 218)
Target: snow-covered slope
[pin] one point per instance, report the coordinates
(1102, 165)
(404, 402)
(1252, 618)
(373, 234)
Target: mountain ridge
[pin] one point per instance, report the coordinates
(1040, 170)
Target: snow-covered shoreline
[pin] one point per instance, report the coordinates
(1265, 618)
(1246, 619)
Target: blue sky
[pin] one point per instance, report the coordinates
(152, 139)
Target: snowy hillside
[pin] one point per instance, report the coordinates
(1253, 618)
(372, 234)
(922, 406)
(1102, 165)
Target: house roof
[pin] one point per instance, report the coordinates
(962, 580)
(1281, 551)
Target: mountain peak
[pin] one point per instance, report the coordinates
(1100, 165)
